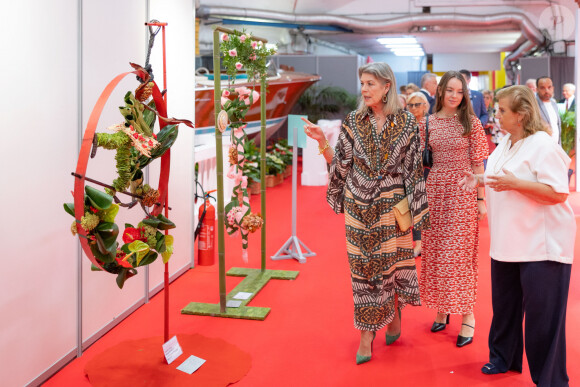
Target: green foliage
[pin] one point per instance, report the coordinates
(239, 49)
(325, 103)
(284, 151)
(274, 163)
(251, 167)
(568, 135)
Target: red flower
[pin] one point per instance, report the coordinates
(154, 136)
(135, 135)
(93, 209)
(131, 234)
(126, 264)
(150, 143)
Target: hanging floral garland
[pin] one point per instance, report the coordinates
(240, 52)
(136, 145)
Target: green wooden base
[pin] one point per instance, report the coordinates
(255, 280)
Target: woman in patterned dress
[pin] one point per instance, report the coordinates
(449, 258)
(377, 163)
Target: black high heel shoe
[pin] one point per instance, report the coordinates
(462, 340)
(436, 327)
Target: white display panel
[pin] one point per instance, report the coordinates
(39, 142)
(180, 57)
(113, 36)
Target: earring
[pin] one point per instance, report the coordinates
(384, 99)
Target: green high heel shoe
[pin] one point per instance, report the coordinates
(391, 339)
(363, 359)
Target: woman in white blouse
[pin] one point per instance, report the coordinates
(532, 231)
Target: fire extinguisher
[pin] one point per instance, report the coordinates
(206, 227)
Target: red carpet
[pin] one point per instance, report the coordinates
(142, 363)
(308, 339)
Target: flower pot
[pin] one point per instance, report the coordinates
(270, 181)
(254, 188)
(279, 178)
(288, 171)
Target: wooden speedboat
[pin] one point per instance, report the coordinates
(284, 89)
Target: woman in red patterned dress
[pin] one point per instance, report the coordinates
(448, 280)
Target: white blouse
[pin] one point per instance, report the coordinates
(521, 229)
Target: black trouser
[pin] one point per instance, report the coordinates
(538, 290)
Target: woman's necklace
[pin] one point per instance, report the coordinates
(506, 150)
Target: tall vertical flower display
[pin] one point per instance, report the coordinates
(240, 52)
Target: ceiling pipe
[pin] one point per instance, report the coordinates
(400, 23)
(532, 37)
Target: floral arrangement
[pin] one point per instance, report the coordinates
(136, 146)
(240, 51)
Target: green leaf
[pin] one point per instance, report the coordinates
(149, 258)
(160, 245)
(169, 248)
(160, 222)
(106, 236)
(122, 277)
(139, 247)
(94, 268)
(98, 199)
(69, 208)
(149, 116)
(106, 258)
(110, 213)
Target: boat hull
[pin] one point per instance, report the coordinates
(282, 94)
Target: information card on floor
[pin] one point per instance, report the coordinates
(172, 350)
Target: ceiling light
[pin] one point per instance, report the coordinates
(406, 46)
(413, 52)
(402, 40)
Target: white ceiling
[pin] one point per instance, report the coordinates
(448, 38)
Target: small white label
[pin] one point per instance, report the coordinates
(233, 304)
(172, 350)
(243, 295)
(191, 365)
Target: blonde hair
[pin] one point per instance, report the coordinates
(522, 100)
(419, 95)
(413, 87)
(464, 110)
(384, 74)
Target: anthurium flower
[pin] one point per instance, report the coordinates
(233, 52)
(131, 234)
(123, 263)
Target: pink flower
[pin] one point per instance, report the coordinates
(254, 44)
(224, 101)
(225, 37)
(233, 52)
(253, 57)
(242, 38)
(231, 172)
(239, 65)
(242, 92)
(225, 93)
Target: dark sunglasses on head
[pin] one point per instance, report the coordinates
(415, 105)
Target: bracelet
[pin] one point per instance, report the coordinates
(480, 199)
(321, 150)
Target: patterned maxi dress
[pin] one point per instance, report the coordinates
(449, 257)
(371, 171)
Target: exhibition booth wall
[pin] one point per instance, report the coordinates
(58, 58)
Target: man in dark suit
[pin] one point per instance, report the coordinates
(428, 88)
(569, 100)
(476, 99)
(548, 107)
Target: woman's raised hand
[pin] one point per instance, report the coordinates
(469, 182)
(314, 131)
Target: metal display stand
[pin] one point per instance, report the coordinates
(291, 248)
